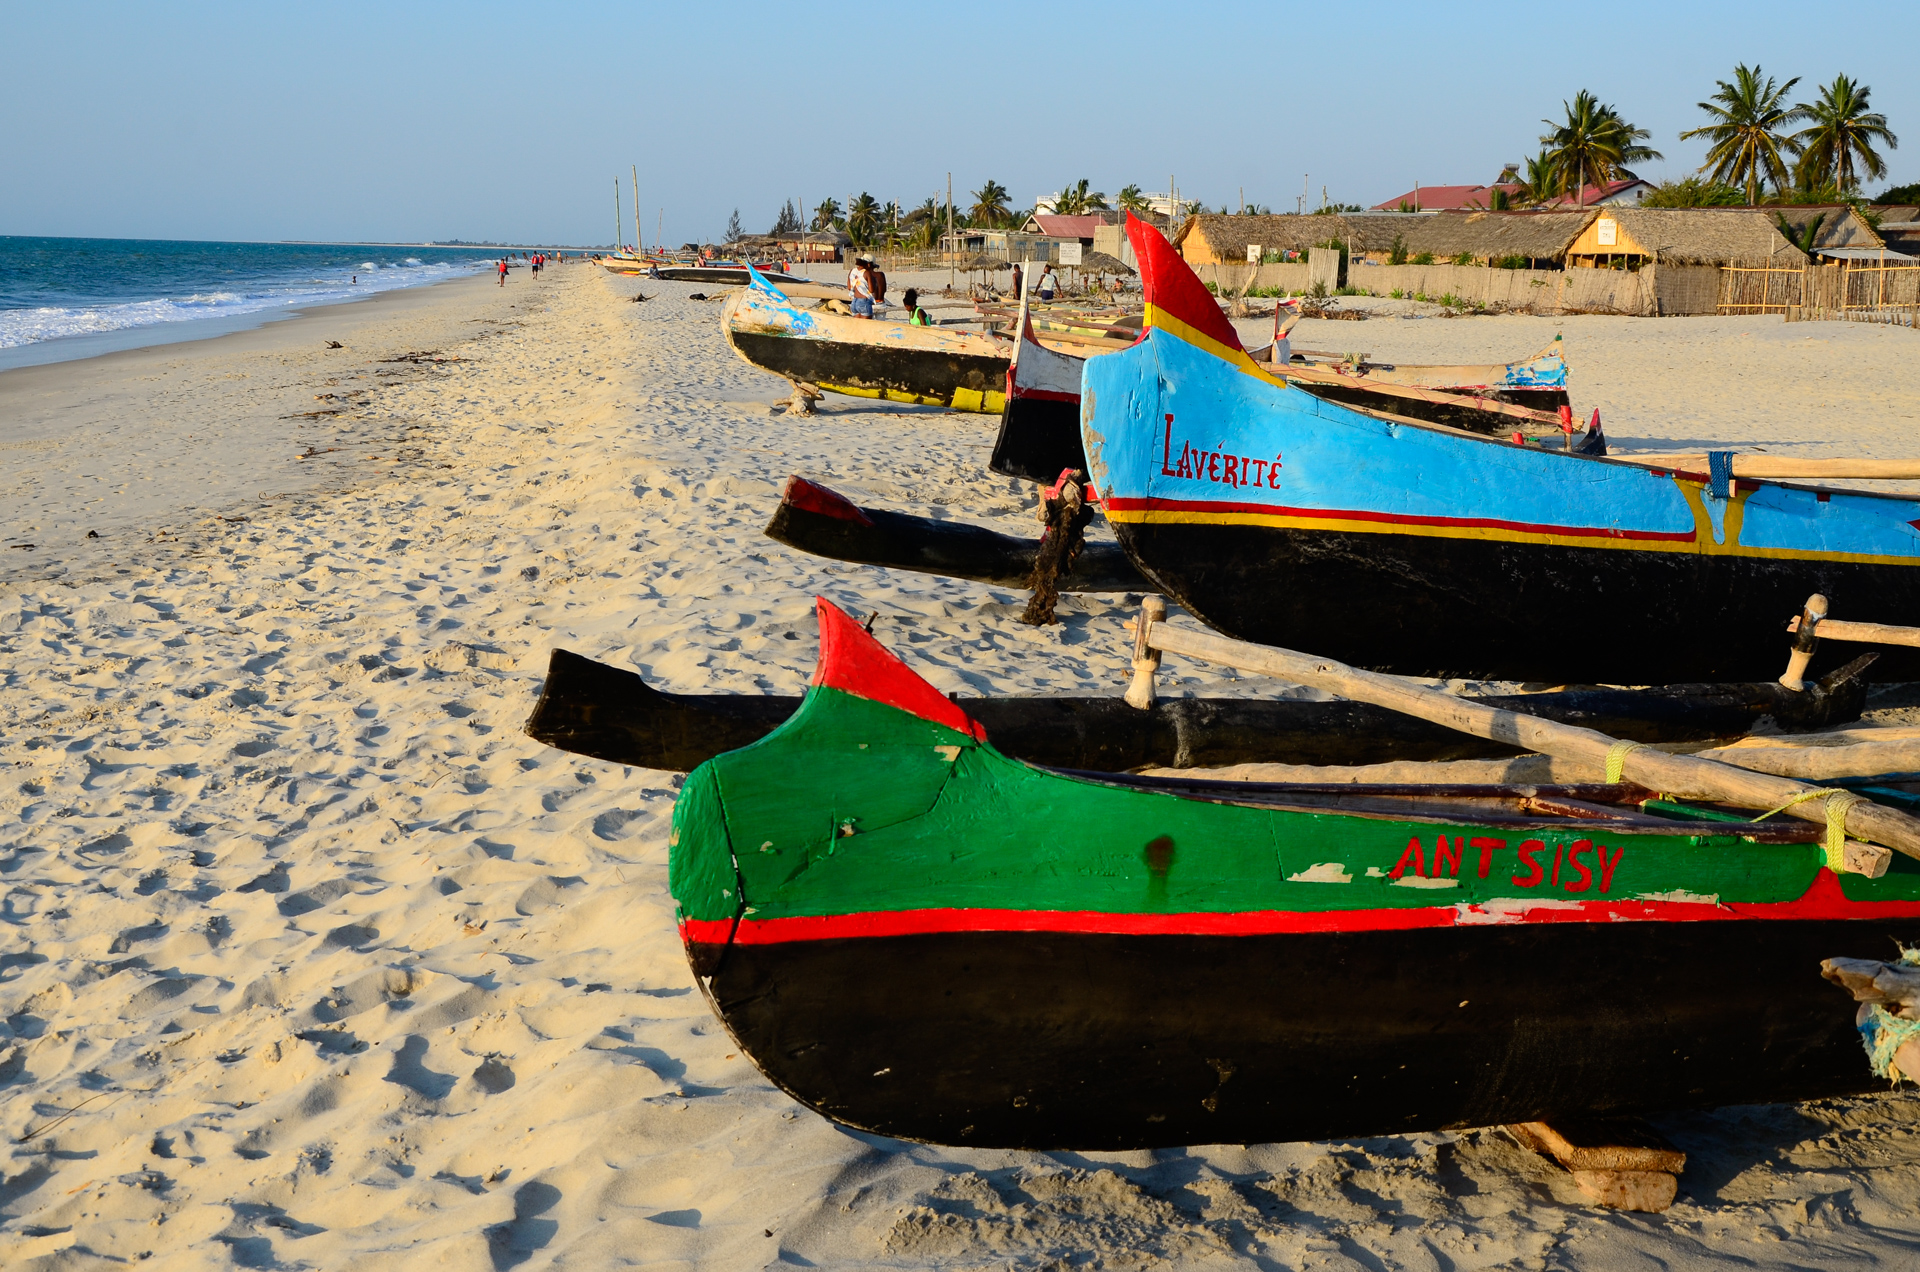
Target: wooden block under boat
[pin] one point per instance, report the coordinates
(1622, 1163)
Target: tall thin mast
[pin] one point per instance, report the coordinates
(639, 239)
(616, 216)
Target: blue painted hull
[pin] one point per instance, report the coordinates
(1280, 518)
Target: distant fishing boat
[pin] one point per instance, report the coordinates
(864, 357)
(1279, 517)
(919, 937)
(718, 272)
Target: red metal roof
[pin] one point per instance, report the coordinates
(1453, 198)
(1069, 226)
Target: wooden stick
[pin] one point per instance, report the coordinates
(1861, 633)
(1685, 776)
(1146, 659)
(1315, 375)
(1781, 467)
(1808, 640)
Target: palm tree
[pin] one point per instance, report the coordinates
(1133, 199)
(1842, 132)
(827, 215)
(1748, 115)
(989, 205)
(1540, 183)
(1077, 199)
(863, 218)
(1592, 144)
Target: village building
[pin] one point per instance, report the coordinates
(1510, 240)
(1453, 198)
(1629, 238)
(1222, 238)
(1625, 189)
(820, 245)
(1899, 228)
(1006, 245)
(1082, 227)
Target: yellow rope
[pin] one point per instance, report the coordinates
(1837, 805)
(1617, 760)
(1816, 793)
(1838, 802)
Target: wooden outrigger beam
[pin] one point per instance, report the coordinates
(1682, 776)
(1786, 467)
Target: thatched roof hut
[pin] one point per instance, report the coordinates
(1103, 263)
(1539, 238)
(1840, 225)
(1223, 239)
(1682, 236)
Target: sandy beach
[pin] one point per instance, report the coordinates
(311, 958)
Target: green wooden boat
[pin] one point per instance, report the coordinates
(917, 936)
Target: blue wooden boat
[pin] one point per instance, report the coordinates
(1279, 517)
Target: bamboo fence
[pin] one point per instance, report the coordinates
(1845, 291)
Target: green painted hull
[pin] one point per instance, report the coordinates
(877, 831)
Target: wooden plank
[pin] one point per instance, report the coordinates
(1784, 467)
(1684, 776)
(1604, 1144)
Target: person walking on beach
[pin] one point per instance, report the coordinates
(860, 287)
(503, 271)
(1048, 280)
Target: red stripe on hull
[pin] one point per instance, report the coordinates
(1042, 395)
(1823, 899)
(1338, 514)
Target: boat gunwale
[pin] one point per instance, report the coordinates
(1222, 791)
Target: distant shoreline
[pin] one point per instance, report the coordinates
(100, 344)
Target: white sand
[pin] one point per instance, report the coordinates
(312, 959)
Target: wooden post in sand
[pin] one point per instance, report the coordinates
(1806, 640)
(1683, 776)
(953, 248)
(1146, 659)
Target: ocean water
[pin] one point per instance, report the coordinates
(62, 298)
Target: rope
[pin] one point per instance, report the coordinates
(1617, 760)
(1837, 806)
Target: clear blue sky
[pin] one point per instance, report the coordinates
(407, 121)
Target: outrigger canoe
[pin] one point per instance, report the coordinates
(919, 937)
(864, 357)
(1278, 517)
(1040, 427)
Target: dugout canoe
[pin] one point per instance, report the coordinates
(1278, 517)
(590, 708)
(864, 357)
(817, 520)
(731, 275)
(1039, 434)
(919, 937)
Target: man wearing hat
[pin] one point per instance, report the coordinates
(860, 286)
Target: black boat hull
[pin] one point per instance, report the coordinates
(717, 274)
(1096, 1041)
(925, 376)
(1039, 437)
(1460, 607)
(814, 519)
(592, 709)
